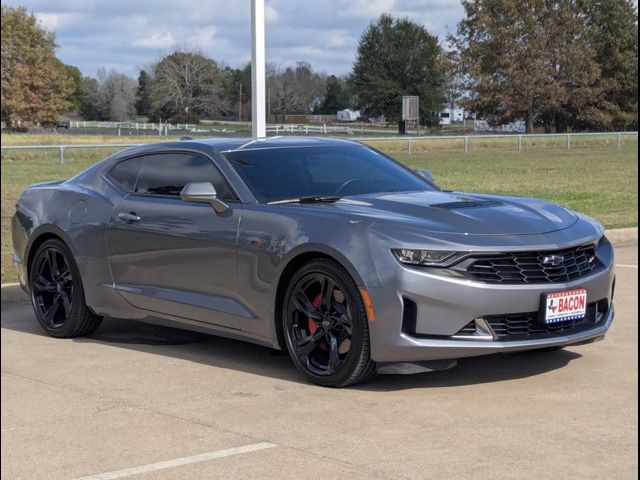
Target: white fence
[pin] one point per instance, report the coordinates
(132, 125)
(465, 140)
(163, 129)
(309, 129)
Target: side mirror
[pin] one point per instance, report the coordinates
(426, 174)
(203, 192)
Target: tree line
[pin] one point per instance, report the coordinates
(558, 64)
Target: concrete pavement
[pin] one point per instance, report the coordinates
(134, 395)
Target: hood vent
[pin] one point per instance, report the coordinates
(467, 204)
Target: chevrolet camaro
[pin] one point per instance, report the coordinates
(327, 248)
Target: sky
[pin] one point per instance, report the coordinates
(130, 34)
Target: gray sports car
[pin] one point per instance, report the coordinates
(326, 248)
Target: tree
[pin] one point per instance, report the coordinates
(335, 98)
(294, 89)
(89, 109)
(237, 90)
(143, 94)
(34, 87)
(114, 96)
(76, 97)
(529, 59)
(452, 78)
(310, 85)
(613, 31)
(397, 57)
(186, 87)
(283, 94)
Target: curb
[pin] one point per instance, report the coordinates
(623, 236)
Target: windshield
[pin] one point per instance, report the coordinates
(275, 174)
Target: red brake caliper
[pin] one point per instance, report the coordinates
(313, 326)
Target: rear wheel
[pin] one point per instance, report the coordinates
(325, 326)
(57, 294)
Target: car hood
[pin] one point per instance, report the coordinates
(461, 213)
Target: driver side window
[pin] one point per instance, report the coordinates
(166, 174)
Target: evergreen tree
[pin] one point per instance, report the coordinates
(561, 63)
(398, 57)
(613, 31)
(335, 96)
(76, 94)
(143, 93)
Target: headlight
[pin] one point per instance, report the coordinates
(427, 258)
(603, 241)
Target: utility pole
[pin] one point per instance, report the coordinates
(240, 104)
(258, 113)
(268, 102)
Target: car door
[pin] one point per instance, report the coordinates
(170, 256)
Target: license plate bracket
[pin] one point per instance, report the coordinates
(563, 306)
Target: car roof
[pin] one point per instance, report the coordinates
(231, 144)
(217, 146)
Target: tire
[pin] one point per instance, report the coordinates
(325, 326)
(57, 294)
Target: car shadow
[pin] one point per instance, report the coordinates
(241, 356)
(477, 370)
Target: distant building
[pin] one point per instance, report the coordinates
(347, 115)
(481, 126)
(451, 115)
(519, 126)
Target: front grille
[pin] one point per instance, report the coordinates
(527, 326)
(530, 267)
(468, 330)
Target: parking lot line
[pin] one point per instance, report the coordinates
(176, 462)
(626, 266)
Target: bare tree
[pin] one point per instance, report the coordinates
(186, 85)
(311, 85)
(114, 95)
(294, 90)
(453, 82)
(284, 96)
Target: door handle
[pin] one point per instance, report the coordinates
(129, 217)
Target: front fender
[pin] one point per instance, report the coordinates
(364, 275)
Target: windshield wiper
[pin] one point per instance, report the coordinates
(310, 199)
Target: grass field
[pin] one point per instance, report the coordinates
(594, 176)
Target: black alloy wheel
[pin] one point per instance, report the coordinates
(325, 325)
(57, 294)
(52, 287)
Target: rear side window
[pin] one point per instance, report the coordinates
(168, 173)
(126, 172)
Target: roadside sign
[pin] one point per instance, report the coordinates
(410, 107)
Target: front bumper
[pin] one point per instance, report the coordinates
(444, 305)
(410, 349)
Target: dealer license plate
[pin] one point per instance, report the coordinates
(564, 306)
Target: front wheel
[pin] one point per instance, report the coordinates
(325, 326)
(57, 294)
